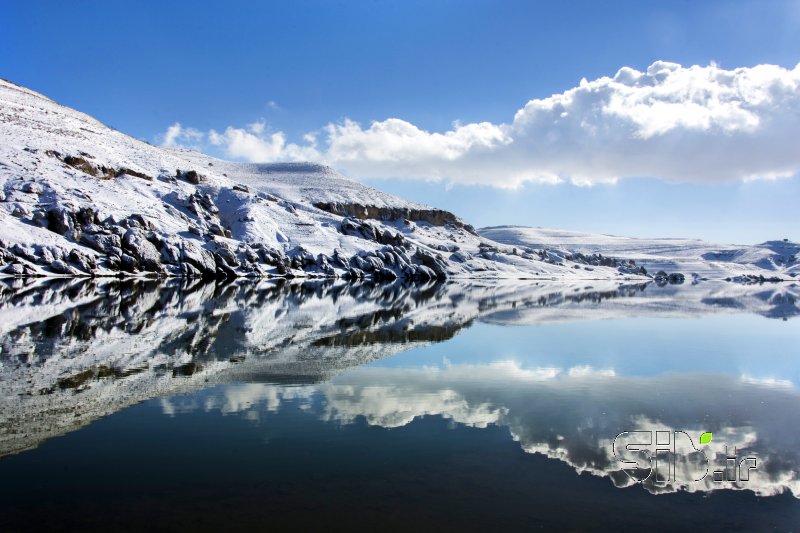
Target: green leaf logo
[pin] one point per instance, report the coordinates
(705, 438)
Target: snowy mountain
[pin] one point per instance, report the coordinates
(80, 199)
(700, 259)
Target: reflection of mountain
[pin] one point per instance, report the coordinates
(568, 414)
(80, 350)
(73, 350)
(598, 302)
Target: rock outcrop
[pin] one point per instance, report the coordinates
(435, 217)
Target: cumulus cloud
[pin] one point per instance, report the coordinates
(257, 144)
(690, 124)
(178, 136)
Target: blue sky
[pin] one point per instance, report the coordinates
(291, 68)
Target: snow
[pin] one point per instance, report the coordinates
(688, 256)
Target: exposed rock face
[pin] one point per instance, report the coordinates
(107, 243)
(80, 163)
(130, 172)
(355, 227)
(99, 171)
(436, 217)
(190, 175)
(135, 243)
(196, 261)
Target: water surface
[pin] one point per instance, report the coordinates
(465, 405)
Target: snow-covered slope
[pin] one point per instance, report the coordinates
(78, 198)
(688, 256)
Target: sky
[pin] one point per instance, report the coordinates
(653, 119)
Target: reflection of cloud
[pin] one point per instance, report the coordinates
(572, 415)
(390, 407)
(693, 470)
(239, 398)
(582, 371)
(768, 382)
(396, 405)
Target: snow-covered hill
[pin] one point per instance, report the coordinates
(688, 256)
(78, 198)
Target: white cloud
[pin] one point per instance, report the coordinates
(695, 124)
(178, 136)
(255, 144)
(172, 134)
(257, 127)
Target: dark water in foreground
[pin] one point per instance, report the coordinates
(469, 406)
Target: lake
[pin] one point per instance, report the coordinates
(467, 405)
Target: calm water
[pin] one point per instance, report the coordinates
(460, 406)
